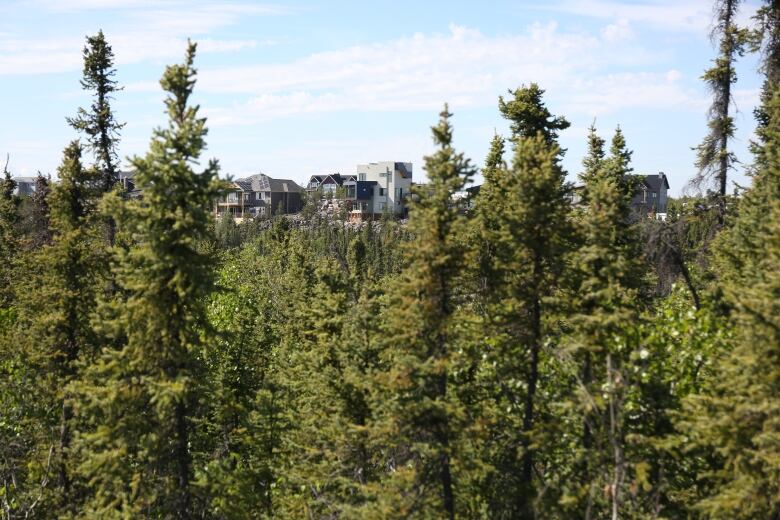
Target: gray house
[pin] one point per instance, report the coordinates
(651, 195)
(25, 186)
(260, 196)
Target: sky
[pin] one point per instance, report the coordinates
(299, 88)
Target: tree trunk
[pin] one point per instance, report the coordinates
(615, 438)
(184, 500)
(723, 167)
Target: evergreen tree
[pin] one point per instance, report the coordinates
(40, 211)
(58, 302)
(99, 123)
(714, 158)
(737, 418)
(8, 236)
(606, 308)
(140, 399)
(530, 239)
(420, 418)
(488, 200)
(766, 38)
(523, 232)
(528, 115)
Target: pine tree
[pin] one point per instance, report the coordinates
(714, 158)
(594, 161)
(99, 123)
(738, 419)
(420, 417)
(140, 399)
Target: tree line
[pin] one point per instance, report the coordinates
(527, 359)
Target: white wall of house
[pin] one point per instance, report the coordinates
(393, 184)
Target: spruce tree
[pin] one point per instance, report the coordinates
(714, 157)
(609, 277)
(140, 399)
(420, 418)
(99, 123)
(737, 420)
(39, 232)
(528, 115)
(488, 200)
(8, 236)
(523, 232)
(58, 302)
(533, 234)
(766, 38)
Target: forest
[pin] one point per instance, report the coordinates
(528, 359)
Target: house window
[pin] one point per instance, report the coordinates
(381, 192)
(361, 176)
(246, 196)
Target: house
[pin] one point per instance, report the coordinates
(651, 195)
(127, 182)
(393, 185)
(25, 186)
(375, 189)
(260, 196)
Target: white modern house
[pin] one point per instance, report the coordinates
(375, 189)
(393, 185)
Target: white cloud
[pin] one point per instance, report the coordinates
(668, 15)
(618, 31)
(612, 92)
(243, 8)
(463, 67)
(149, 31)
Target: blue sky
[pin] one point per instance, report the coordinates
(303, 87)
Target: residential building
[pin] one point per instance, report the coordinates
(260, 196)
(376, 188)
(25, 186)
(651, 195)
(393, 185)
(127, 182)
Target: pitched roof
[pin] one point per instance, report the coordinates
(654, 182)
(262, 182)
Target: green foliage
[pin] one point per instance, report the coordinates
(99, 123)
(421, 421)
(506, 362)
(529, 116)
(736, 418)
(523, 221)
(605, 315)
(138, 400)
(713, 156)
